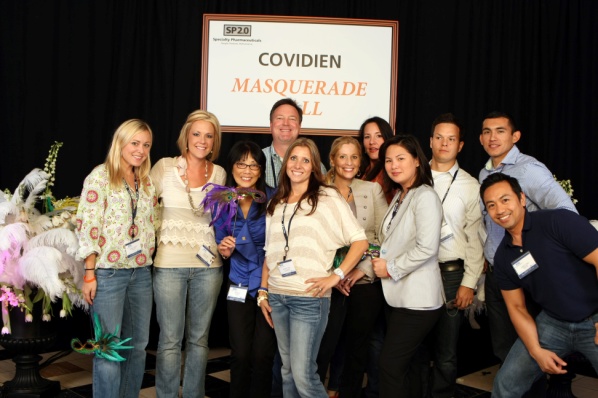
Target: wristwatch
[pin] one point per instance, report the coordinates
(340, 273)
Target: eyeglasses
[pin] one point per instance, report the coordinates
(243, 166)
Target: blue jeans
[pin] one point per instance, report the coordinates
(446, 337)
(123, 300)
(185, 302)
(299, 323)
(520, 370)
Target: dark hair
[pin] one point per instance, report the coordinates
(387, 132)
(423, 174)
(447, 118)
(316, 178)
(239, 152)
(495, 178)
(497, 114)
(287, 101)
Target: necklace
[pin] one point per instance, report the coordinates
(349, 194)
(198, 212)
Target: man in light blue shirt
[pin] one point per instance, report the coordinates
(499, 136)
(285, 124)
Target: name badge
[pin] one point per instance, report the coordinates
(237, 293)
(205, 255)
(133, 248)
(445, 231)
(524, 265)
(287, 268)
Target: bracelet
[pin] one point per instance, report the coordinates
(89, 269)
(388, 274)
(263, 289)
(260, 299)
(86, 280)
(340, 273)
(223, 257)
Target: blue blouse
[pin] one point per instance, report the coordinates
(247, 259)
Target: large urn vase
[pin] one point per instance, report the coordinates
(25, 342)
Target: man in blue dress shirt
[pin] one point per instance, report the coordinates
(499, 136)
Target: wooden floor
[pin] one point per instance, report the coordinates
(74, 372)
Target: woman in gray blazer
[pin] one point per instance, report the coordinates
(408, 263)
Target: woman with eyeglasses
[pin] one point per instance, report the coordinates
(408, 263)
(241, 238)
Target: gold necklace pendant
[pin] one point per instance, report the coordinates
(198, 212)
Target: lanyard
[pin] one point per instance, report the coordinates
(134, 202)
(396, 209)
(272, 153)
(284, 230)
(449, 187)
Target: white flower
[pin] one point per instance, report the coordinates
(62, 313)
(28, 318)
(46, 318)
(5, 330)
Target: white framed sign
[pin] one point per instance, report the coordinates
(340, 71)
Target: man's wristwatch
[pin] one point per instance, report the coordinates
(340, 273)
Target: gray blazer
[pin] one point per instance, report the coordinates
(410, 247)
(370, 206)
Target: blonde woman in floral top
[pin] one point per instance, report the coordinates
(188, 269)
(117, 239)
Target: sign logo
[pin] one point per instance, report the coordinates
(237, 30)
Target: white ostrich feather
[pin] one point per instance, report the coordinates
(40, 223)
(40, 266)
(13, 237)
(7, 208)
(35, 181)
(78, 301)
(72, 267)
(11, 274)
(60, 238)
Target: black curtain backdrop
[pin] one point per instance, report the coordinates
(72, 71)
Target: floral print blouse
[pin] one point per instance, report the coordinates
(104, 222)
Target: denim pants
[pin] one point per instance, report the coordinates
(299, 323)
(185, 302)
(446, 337)
(520, 370)
(123, 300)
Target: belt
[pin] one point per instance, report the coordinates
(454, 265)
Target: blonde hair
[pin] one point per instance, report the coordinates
(183, 140)
(336, 146)
(122, 136)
